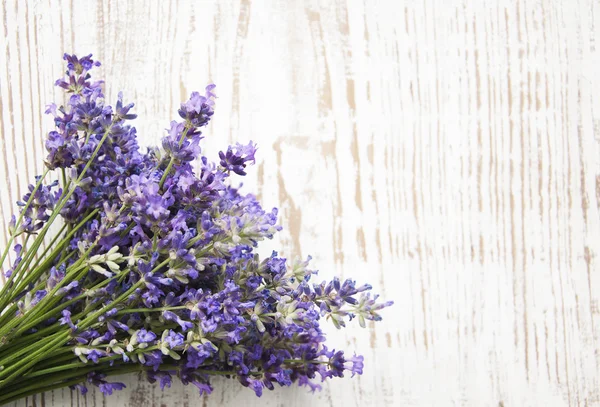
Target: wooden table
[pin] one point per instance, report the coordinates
(448, 152)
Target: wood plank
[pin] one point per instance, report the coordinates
(447, 152)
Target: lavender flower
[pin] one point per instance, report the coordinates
(235, 158)
(143, 336)
(156, 269)
(198, 110)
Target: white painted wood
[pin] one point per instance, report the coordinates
(446, 151)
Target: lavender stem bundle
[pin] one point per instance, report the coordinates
(153, 267)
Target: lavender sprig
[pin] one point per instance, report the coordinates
(155, 270)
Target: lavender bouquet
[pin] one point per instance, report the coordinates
(150, 265)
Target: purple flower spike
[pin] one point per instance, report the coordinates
(156, 268)
(198, 110)
(235, 158)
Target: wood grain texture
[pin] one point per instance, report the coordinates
(446, 151)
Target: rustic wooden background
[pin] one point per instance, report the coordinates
(446, 151)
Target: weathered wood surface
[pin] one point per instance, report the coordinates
(446, 151)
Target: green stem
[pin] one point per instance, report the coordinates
(60, 338)
(34, 274)
(313, 362)
(58, 308)
(172, 160)
(17, 224)
(5, 399)
(37, 272)
(25, 363)
(132, 310)
(9, 315)
(49, 246)
(51, 383)
(64, 178)
(86, 323)
(68, 366)
(24, 350)
(50, 299)
(40, 237)
(60, 356)
(53, 379)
